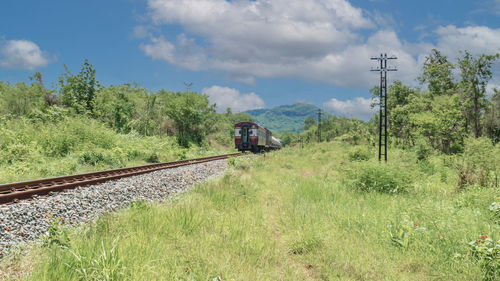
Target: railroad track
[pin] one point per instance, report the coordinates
(13, 192)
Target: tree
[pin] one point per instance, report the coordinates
(401, 102)
(50, 98)
(475, 73)
(79, 91)
(437, 72)
(492, 117)
(21, 99)
(309, 122)
(114, 107)
(192, 115)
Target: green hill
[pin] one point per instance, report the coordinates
(285, 118)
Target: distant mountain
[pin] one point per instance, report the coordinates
(285, 118)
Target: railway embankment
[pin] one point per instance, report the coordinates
(29, 220)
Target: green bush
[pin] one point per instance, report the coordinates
(479, 164)
(94, 158)
(422, 149)
(153, 158)
(379, 177)
(91, 158)
(360, 154)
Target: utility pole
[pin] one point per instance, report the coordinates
(188, 86)
(382, 132)
(319, 124)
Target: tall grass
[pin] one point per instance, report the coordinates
(32, 148)
(290, 215)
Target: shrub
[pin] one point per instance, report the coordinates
(181, 154)
(478, 165)
(153, 158)
(95, 158)
(91, 158)
(17, 152)
(379, 177)
(351, 138)
(427, 167)
(360, 154)
(422, 149)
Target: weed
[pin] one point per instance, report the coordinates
(404, 232)
(139, 205)
(231, 162)
(304, 243)
(57, 235)
(106, 266)
(487, 253)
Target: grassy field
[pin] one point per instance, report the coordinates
(324, 212)
(31, 150)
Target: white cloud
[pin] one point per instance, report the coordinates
(183, 53)
(476, 39)
(358, 107)
(225, 97)
(279, 38)
(315, 40)
(140, 32)
(22, 54)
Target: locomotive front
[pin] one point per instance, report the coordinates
(246, 136)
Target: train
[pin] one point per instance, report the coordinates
(249, 136)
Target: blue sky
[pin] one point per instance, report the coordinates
(243, 54)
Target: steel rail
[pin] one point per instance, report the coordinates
(13, 192)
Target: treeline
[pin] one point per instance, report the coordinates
(331, 128)
(126, 108)
(454, 107)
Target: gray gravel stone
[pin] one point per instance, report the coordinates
(28, 220)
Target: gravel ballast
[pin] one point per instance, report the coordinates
(30, 219)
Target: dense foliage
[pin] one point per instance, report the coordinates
(454, 107)
(82, 125)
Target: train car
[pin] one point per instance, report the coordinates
(249, 136)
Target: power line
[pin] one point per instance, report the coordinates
(382, 132)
